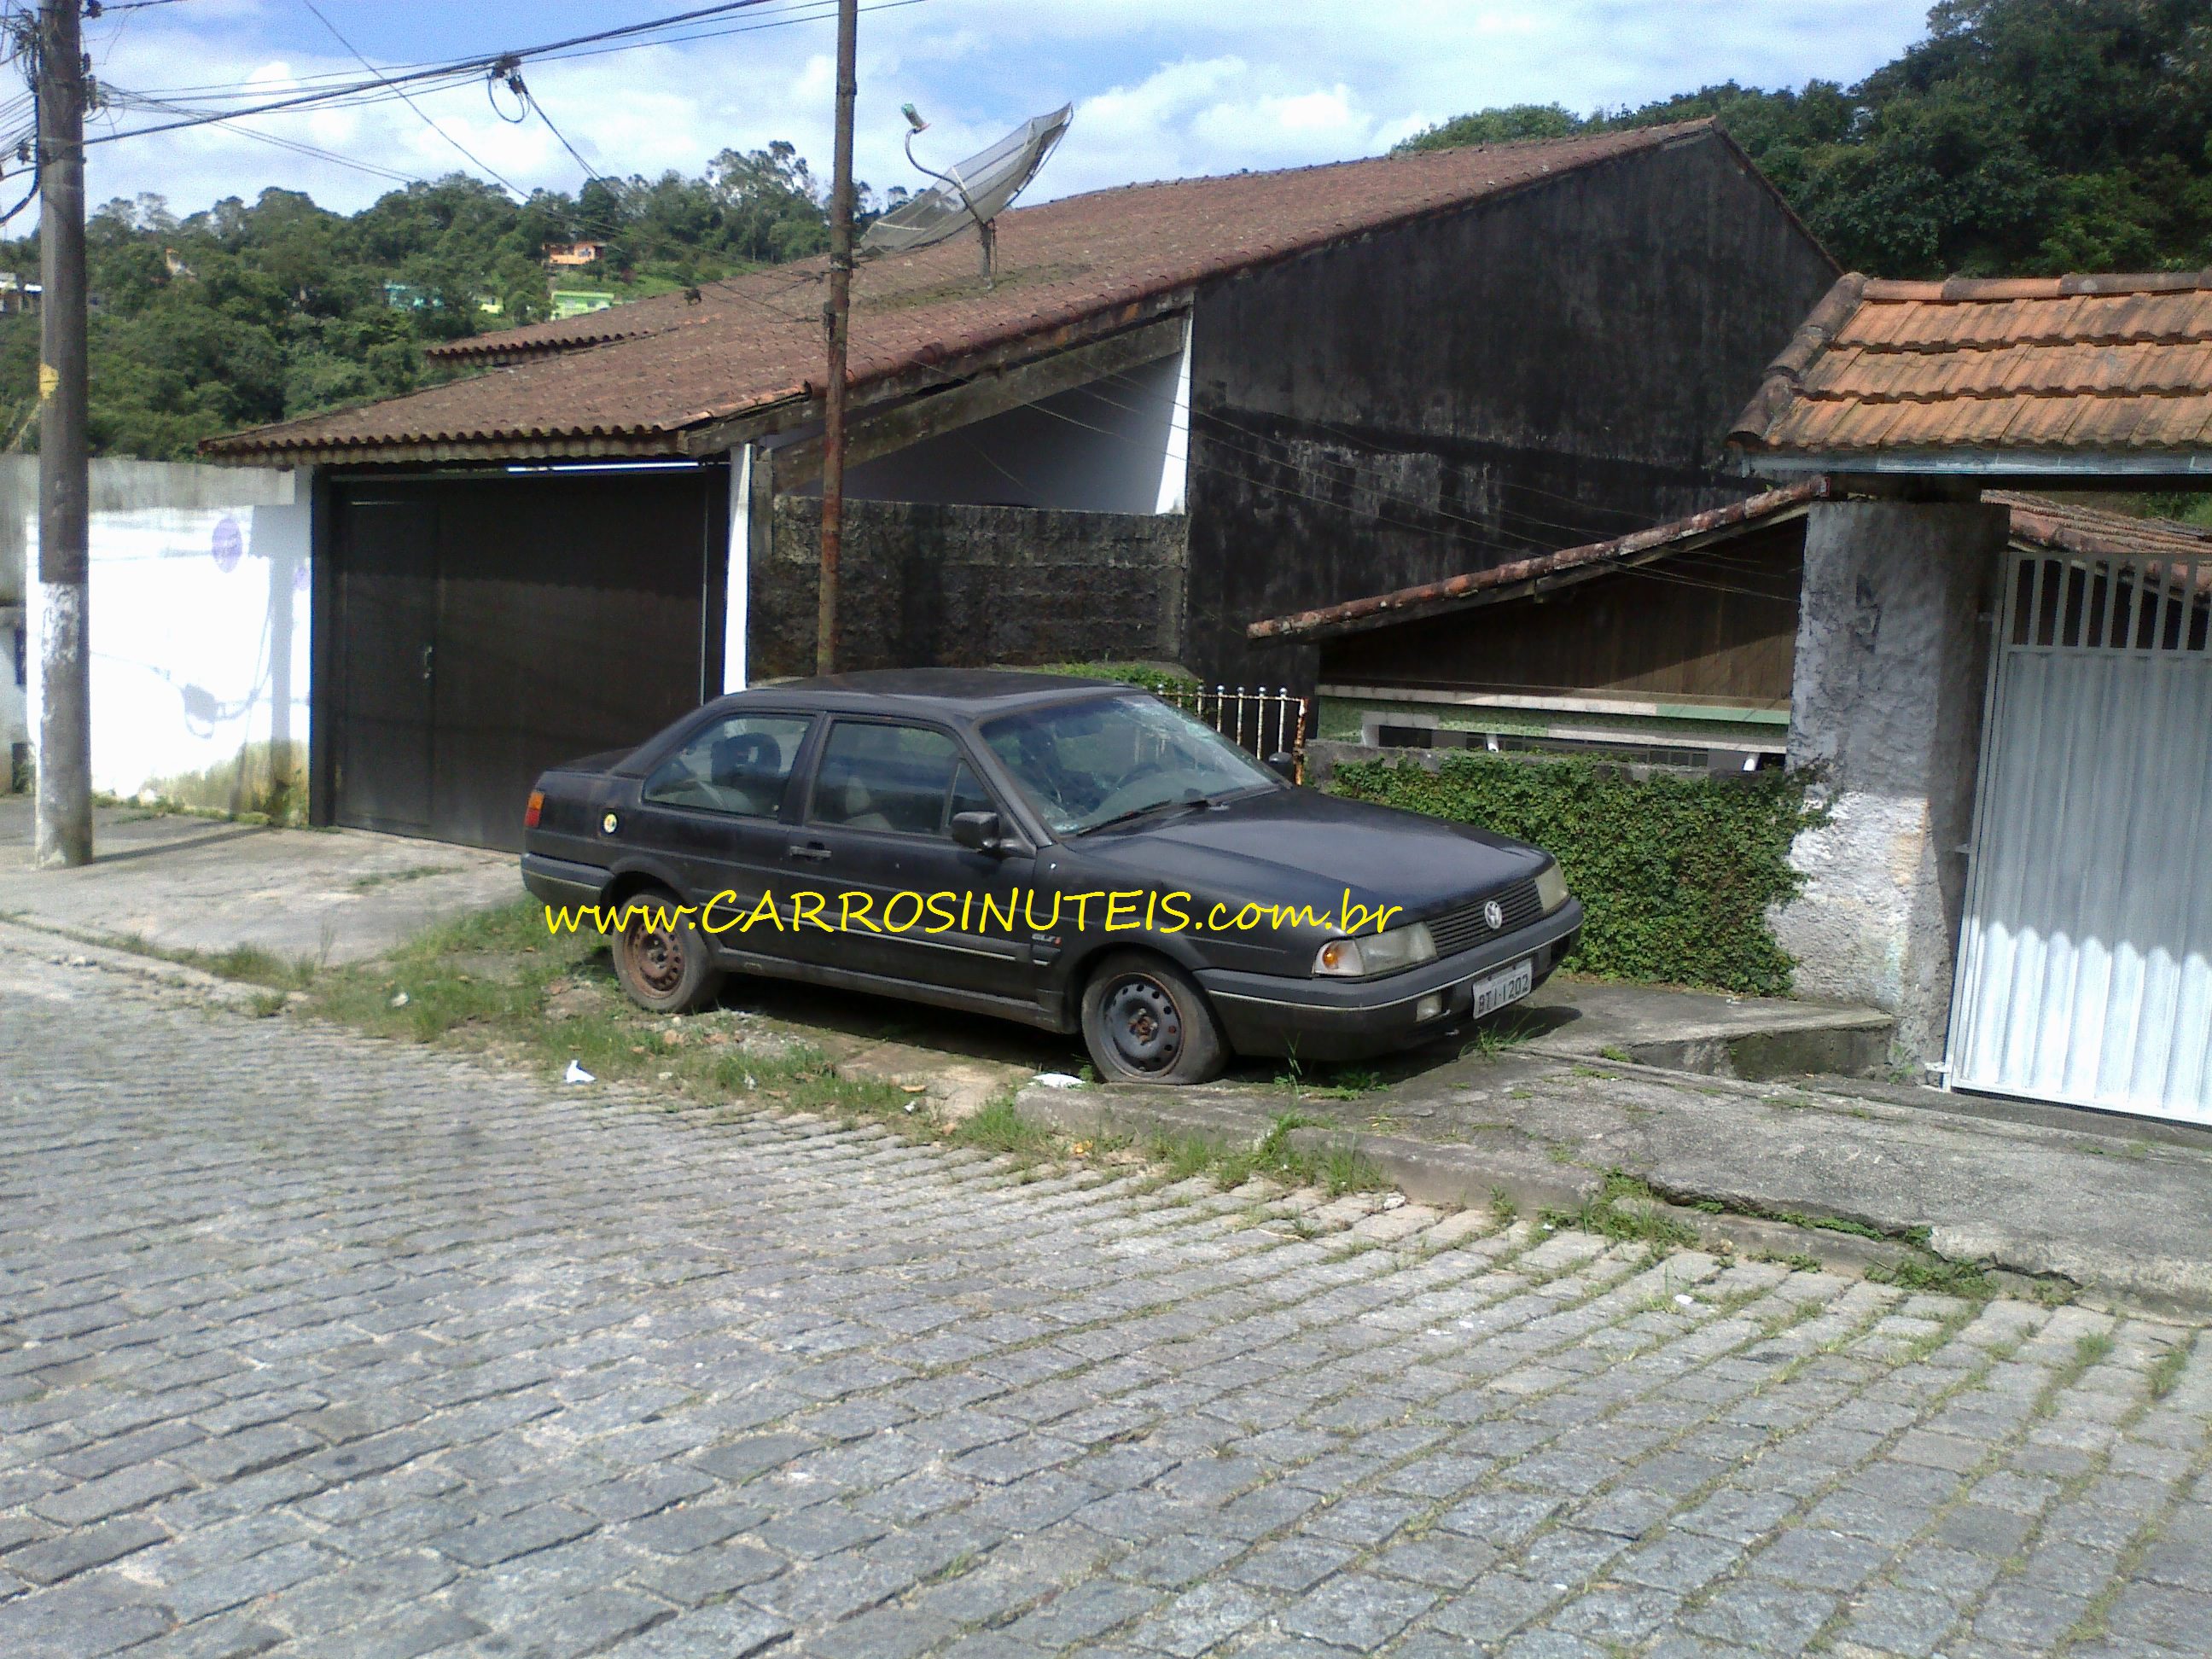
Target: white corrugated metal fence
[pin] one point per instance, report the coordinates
(2085, 963)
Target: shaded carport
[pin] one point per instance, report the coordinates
(2014, 745)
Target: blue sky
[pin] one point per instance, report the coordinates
(1162, 87)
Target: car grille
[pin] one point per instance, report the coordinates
(1464, 928)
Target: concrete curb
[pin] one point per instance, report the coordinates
(1435, 1173)
(41, 943)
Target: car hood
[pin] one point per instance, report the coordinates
(1297, 847)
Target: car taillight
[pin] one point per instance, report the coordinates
(530, 813)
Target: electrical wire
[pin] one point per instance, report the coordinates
(457, 70)
(479, 162)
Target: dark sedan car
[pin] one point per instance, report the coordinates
(1068, 852)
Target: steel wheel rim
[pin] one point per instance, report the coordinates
(656, 956)
(1143, 1024)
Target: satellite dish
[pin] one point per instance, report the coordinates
(974, 192)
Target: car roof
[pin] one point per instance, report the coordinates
(970, 693)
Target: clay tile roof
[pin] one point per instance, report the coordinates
(2096, 532)
(2037, 521)
(2098, 364)
(632, 380)
(1525, 577)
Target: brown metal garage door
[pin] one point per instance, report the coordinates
(487, 626)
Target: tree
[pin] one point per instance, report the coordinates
(2021, 136)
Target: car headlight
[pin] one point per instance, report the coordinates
(1376, 953)
(1551, 887)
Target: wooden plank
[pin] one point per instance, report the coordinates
(991, 393)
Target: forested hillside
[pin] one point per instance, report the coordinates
(2018, 137)
(2022, 136)
(251, 313)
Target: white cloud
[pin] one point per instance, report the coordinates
(1162, 88)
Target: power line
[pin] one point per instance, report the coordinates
(454, 70)
(411, 103)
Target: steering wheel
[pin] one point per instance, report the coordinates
(1143, 769)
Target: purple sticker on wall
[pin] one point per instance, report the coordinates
(300, 577)
(229, 545)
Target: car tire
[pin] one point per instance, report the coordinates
(1145, 1020)
(663, 970)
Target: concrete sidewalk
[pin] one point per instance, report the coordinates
(204, 885)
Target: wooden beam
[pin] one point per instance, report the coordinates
(922, 377)
(993, 392)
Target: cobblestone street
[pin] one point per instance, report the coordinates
(311, 1344)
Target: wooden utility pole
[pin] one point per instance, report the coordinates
(65, 804)
(837, 316)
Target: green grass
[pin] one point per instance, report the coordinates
(1503, 1206)
(1935, 1274)
(1508, 1029)
(512, 1015)
(1626, 1211)
(2166, 1371)
(2093, 1349)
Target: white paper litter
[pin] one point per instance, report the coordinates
(1057, 1080)
(576, 1073)
(399, 1000)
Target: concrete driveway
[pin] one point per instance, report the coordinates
(204, 885)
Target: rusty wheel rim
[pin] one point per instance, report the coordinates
(656, 956)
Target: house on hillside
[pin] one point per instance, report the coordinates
(567, 255)
(1179, 408)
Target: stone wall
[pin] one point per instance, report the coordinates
(925, 584)
(1893, 654)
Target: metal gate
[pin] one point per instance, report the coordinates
(2085, 962)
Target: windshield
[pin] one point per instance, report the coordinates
(1086, 764)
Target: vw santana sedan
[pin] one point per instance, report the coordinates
(1070, 854)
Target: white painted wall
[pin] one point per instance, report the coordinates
(735, 590)
(1114, 446)
(199, 612)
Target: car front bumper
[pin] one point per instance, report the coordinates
(1335, 1019)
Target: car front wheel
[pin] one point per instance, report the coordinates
(1146, 1021)
(660, 955)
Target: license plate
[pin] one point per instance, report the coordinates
(1494, 991)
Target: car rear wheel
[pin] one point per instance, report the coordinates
(1146, 1021)
(661, 956)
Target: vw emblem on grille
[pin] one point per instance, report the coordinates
(1494, 914)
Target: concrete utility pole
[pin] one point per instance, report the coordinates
(64, 805)
(837, 315)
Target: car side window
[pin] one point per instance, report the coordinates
(741, 765)
(875, 776)
(969, 795)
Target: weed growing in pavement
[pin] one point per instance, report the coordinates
(1503, 1206)
(2165, 1370)
(1507, 1029)
(998, 1127)
(1626, 1211)
(2093, 1349)
(1933, 1274)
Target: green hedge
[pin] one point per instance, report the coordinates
(1676, 873)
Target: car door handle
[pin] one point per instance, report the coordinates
(812, 849)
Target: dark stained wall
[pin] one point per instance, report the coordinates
(1718, 626)
(927, 584)
(1554, 367)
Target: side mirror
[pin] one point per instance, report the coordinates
(978, 831)
(1284, 765)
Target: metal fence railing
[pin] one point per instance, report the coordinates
(1266, 723)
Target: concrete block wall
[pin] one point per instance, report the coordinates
(933, 584)
(1892, 658)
